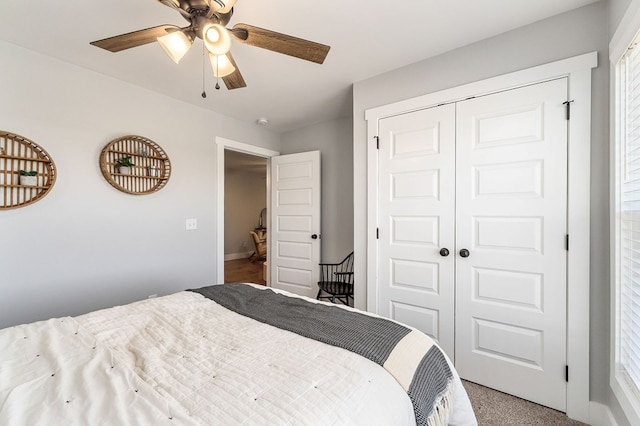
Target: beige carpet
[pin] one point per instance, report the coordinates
(495, 408)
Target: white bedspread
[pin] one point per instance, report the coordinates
(184, 360)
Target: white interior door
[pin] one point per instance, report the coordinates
(417, 209)
(485, 178)
(294, 234)
(511, 216)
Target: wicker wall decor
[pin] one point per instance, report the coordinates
(149, 171)
(38, 175)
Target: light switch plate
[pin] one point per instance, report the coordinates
(192, 224)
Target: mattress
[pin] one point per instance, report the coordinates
(183, 359)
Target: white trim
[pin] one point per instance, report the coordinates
(625, 33)
(601, 415)
(622, 391)
(236, 256)
(579, 229)
(244, 147)
(221, 145)
(495, 84)
(372, 215)
(578, 71)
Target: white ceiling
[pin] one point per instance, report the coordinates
(367, 38)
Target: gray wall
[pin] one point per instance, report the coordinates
(86, 245)
(334, 140)
(570, 34)
(616, 12)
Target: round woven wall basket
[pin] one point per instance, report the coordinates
(27, 172)
(135, 165)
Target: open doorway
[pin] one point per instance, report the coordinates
(245, 227)
(225, 145)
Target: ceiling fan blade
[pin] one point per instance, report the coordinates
(134, 39)
(281, 43)
(235, 79)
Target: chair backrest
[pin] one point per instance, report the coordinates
(338, 272)
(261, 245)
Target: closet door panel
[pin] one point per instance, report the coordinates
(416, 211)
(511, 210)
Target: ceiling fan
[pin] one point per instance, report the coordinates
(207, 20)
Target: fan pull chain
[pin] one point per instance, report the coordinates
(217, 73)
(204, 94)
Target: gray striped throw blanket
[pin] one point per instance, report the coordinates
(409, 355)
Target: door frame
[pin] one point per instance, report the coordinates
(578, 70)
(221, 145)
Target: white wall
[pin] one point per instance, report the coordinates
(86, 245)
(245, 195)
(334, 140)
(570, 34)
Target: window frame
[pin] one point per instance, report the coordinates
(627, 395)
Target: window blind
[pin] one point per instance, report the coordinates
(628, 174)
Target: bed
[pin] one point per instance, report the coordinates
(226, 355)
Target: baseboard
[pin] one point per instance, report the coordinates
(234, 256)
(600, 415)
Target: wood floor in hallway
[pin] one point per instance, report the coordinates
(243, 271)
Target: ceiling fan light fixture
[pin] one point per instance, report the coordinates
(221, 65)
(176, 44)
(171, 3)
(216, 39)
(228, 5)
(220, 6)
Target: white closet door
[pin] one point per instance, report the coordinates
(294, 234)
(511, 216)
(416, 210)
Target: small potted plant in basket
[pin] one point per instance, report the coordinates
(124, 164)
(28, 178)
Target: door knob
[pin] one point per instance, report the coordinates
(464, 253)
(314, 236)
(444, 252)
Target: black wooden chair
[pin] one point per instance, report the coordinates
(336, 281)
